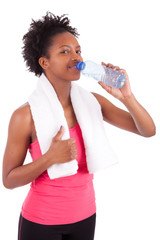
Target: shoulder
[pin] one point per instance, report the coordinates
(97, 96)
(22, 114)
(102, 100)
(21, 120)
(109, 110)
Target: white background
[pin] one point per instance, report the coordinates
(124, 33)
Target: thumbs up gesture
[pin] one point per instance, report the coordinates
(62, 151)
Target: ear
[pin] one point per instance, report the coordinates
(43, 62)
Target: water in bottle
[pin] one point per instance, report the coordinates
(110, 77)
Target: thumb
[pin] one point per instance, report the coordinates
(59, 134)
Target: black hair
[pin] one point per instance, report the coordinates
(38, 39)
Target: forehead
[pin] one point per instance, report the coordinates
(65, 38)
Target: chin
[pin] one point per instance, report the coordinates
(75, 79)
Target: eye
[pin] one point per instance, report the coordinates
(65, 51)
(78, 51)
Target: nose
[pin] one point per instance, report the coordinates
(76, 59)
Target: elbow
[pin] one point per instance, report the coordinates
(7, 184)
(151, 133)
(8, 187)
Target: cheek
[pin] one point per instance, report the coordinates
(57, 66)
(59, 69)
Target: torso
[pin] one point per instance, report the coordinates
(68, 112)
(70, 118)
(71, 198)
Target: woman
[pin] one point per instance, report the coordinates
(63, 208)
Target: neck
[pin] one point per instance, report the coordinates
(62, 89)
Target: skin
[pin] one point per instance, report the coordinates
(60, 70)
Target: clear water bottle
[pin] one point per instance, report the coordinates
(110, 77)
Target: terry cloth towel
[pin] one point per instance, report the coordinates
(48, 116)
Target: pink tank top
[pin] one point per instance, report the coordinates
(62, 200)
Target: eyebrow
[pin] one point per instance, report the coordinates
(69, 46)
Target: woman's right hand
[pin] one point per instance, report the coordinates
(61, 151)
(15, 172)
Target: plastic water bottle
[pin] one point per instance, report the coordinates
(110, 77)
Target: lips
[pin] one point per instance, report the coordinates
(74, 66)
(73, 69)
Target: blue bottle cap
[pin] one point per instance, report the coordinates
(80, 65)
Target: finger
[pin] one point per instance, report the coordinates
(102, 84)
(71, 141)
(103, 63)
(73, 155)
(108, 65)
(74, 148)
(73, 145)
(116, 68)
(59, 134)
(107, 88)
(122, 70)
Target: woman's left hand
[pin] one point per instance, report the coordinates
(119, 93)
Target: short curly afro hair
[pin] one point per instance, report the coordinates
(39, 38)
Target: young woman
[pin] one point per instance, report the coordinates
(63, 208)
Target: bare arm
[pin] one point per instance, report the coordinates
(143, 121)
(16, 174)
(136, 120)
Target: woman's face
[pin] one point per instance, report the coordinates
(64, 53)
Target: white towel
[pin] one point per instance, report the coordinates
(48, 116)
